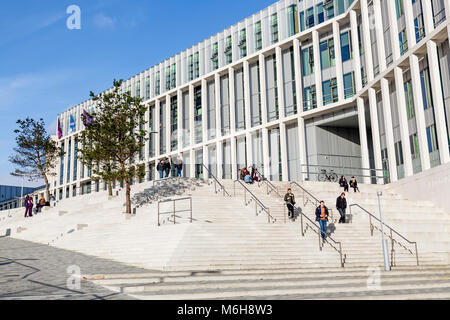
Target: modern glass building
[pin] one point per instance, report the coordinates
(360, 86)
(10, 196)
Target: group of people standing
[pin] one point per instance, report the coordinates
(29, 204)
(165, 165)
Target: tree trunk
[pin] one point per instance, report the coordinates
(47, 187)
(110, 193)
(128, 197)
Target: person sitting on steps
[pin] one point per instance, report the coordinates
(343, 183)
(354, 184)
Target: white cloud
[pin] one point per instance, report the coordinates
(103, 21)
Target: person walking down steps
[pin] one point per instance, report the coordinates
(341, 206)
(322, 218)
(289, 198)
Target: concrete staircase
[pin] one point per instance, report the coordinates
(279, 282)
(231, 249)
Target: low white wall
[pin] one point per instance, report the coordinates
(431, 185)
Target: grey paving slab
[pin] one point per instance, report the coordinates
(33, 271)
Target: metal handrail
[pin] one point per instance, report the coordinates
(316, 229)
(375, 175)
(254, 198)
(270, 185)
(174, 211)
(216, 182)
(390, 235)
(317, 201)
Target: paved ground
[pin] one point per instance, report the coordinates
(33, 271)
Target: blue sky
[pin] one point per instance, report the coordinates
(46, 68)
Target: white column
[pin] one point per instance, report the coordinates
(409, 23)
(420, 114)
(338, 60)
(204, 111)
(192, 164)
(375, 132)
(168, 125)
(232, 101)
(299, 101)
(233, 158)
(283, 147)
(403, 120)
(363, 139)
(438, 103)
(366, 40)
(265, 137)
(248, 114)
(379, 35)
(219, 159)
(427, 12)
(218, 108)
(191, 117)
(180, 120)
(206, 162)
(387, 115)
(280, 82)
(355, 49)
(262, 84)
(317, 69)
(393, 27)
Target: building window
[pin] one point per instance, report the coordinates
(229, 50)
(349, 85)
(243, 43)
(409, 100)
(258, 35)
(310, 98)
(399, 8)
(403, 42)
(274, 27)
(194, 66)
(419, 28)
(310, 18)
(174, 122)
(330, 93)
(327, 54)
(426, 89)
(138, 89)
(292, 20)
(147, 88)
(75, 160)
(431, 138)
(158, 84)
(320, 13)
(61, 175)
(329, 9)
(308, 61)
(346, 46)
(215, 56)
(198, 114)
(414, 144)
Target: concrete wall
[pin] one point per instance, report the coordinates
(432, 185)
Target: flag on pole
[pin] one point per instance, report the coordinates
(87, 118)
(59, 129)
(72, 124)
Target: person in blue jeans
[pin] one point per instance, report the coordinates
(167, 167)
(322, 218)
(160, 167)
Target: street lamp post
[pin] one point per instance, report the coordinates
(384, 243)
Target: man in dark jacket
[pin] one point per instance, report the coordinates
(322, 218)
(160, 167)
(167, 167)
(341, 206)
(289, 198)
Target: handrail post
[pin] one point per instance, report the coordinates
(417, 254)
(320, 235)
(158, 216)
(301, 224)
(191, 208)
(392, 249)
(174, 212)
